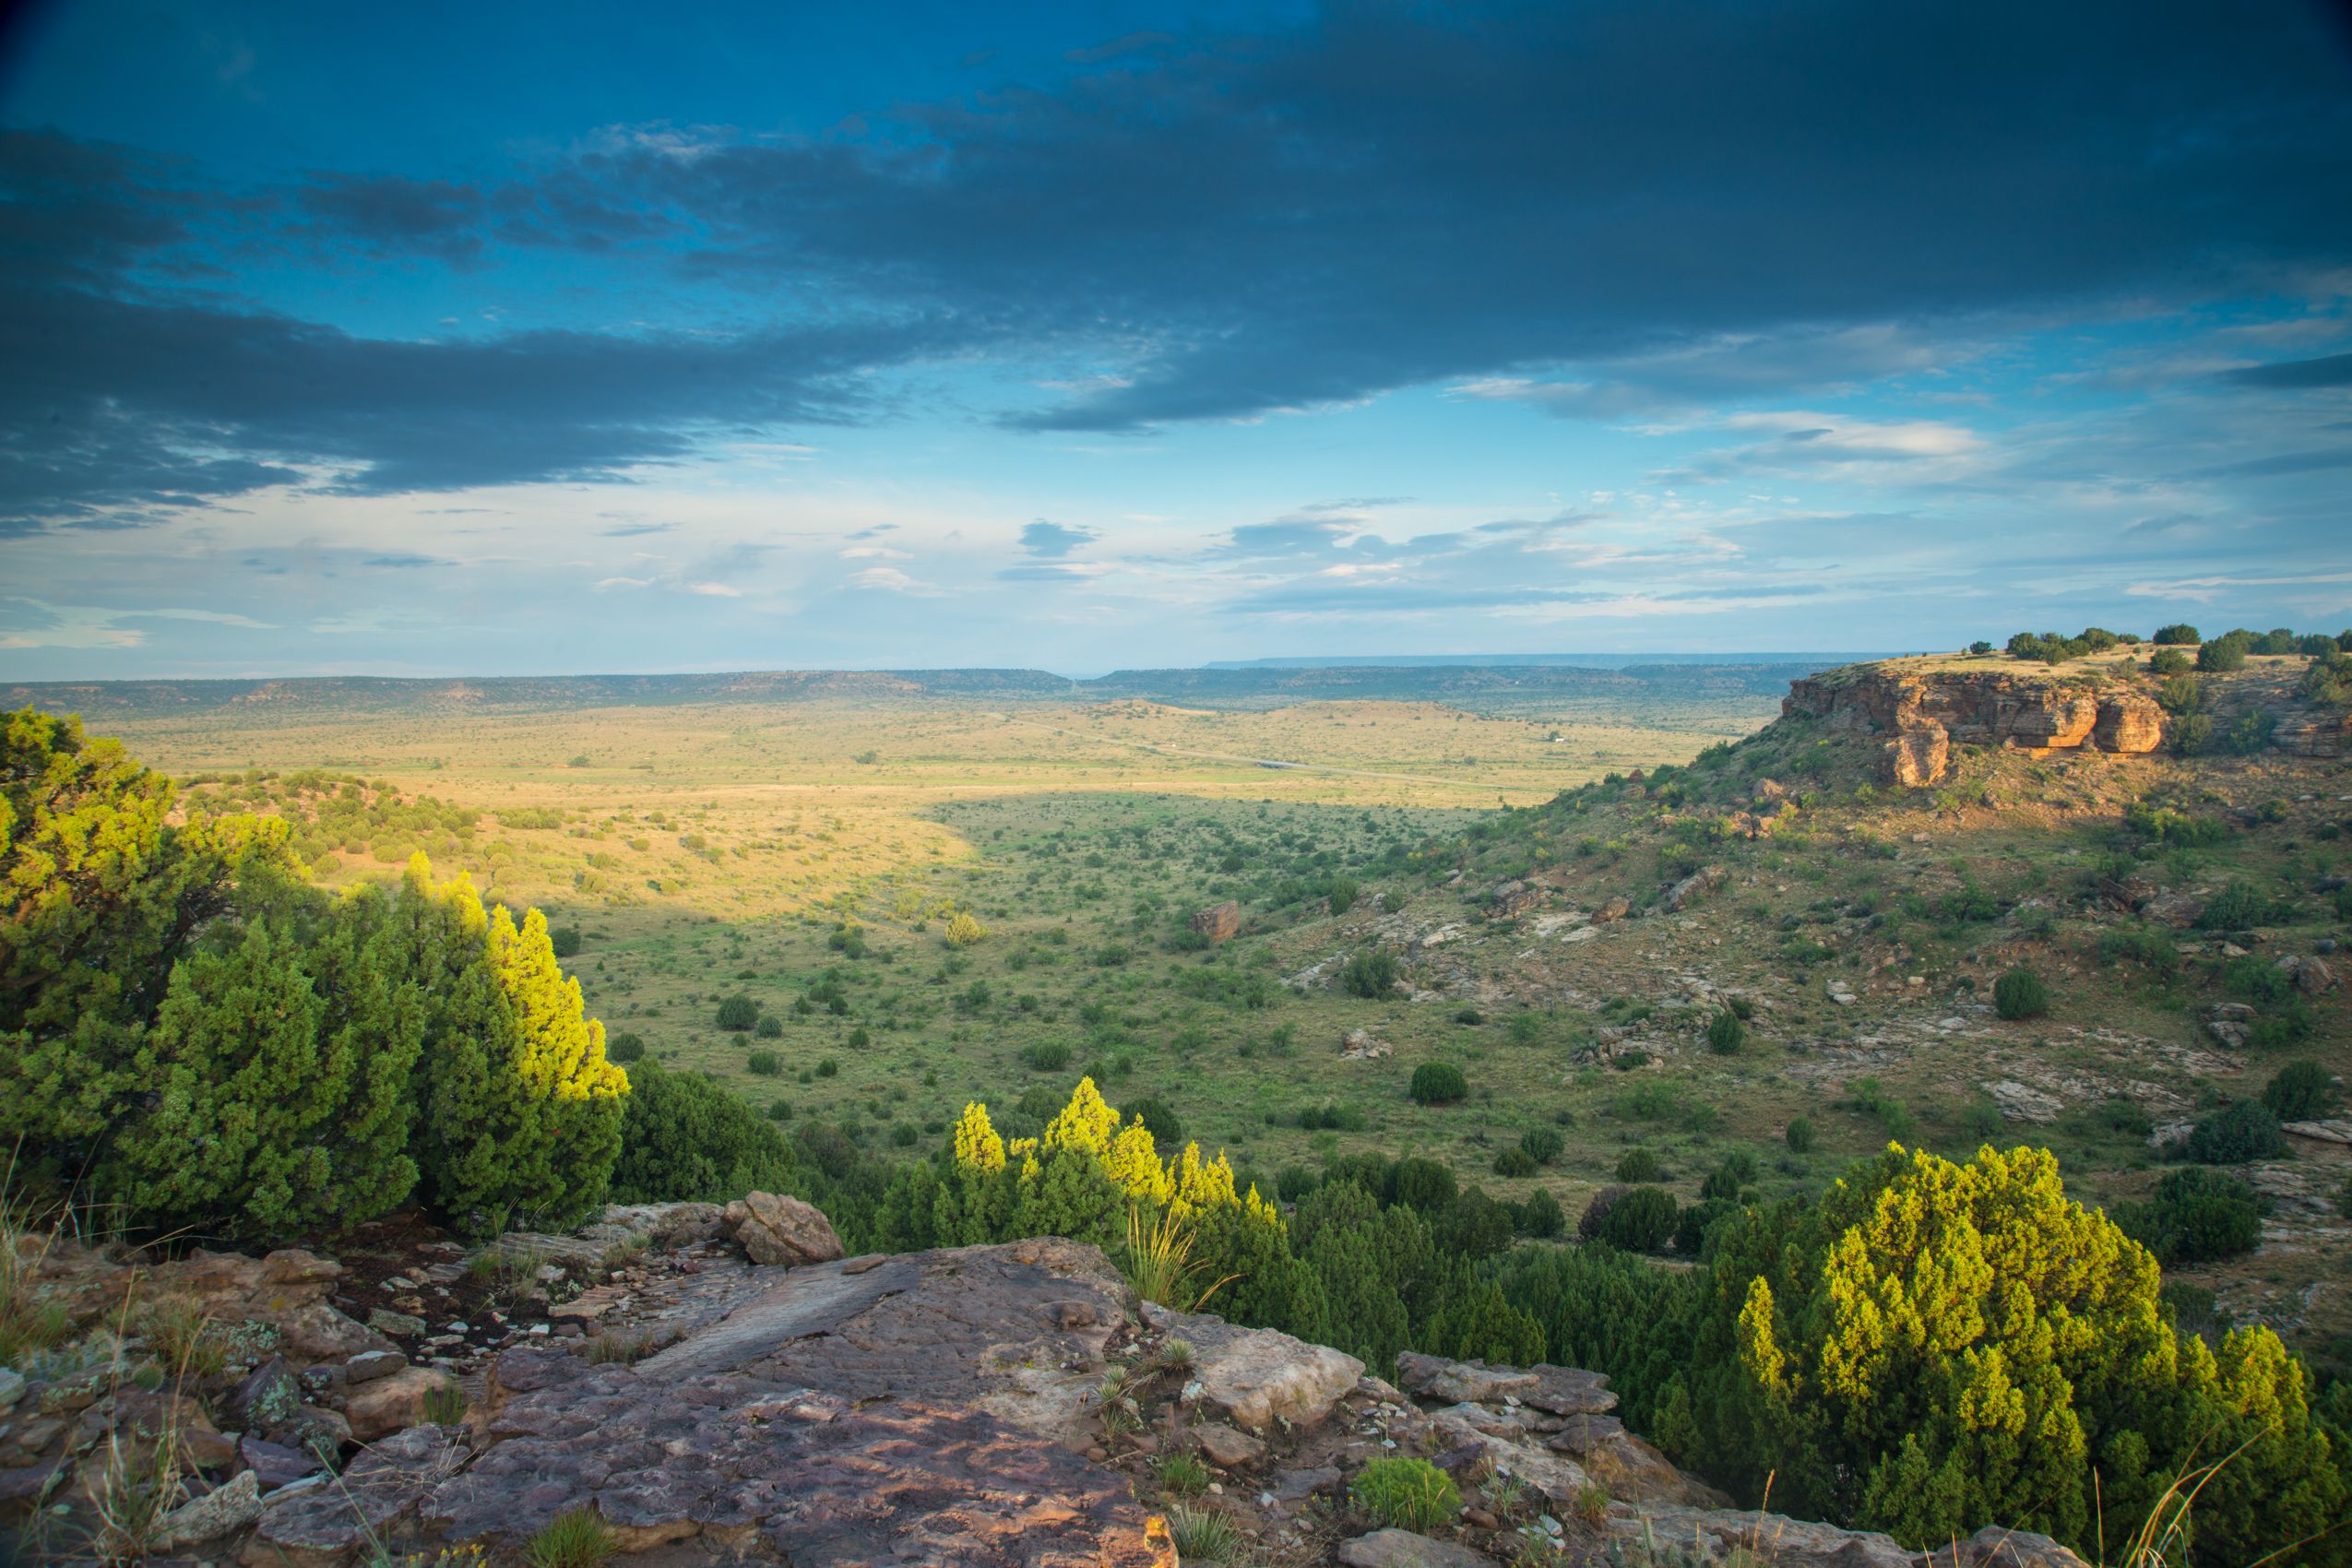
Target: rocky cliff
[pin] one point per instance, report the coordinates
(982, 1406)
(1924, 713)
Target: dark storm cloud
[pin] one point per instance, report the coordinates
(1679, 198)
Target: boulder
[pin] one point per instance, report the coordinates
(1361, 1045)
(312, 1526)
(2178, 910)
(1255, 1377)
(1568, 1391)
(1559, 1478)
(1403, 1548)
(779, 1229)
(1693, 887)
(387, 1405)
(384, 1320)
(1996, 1547)
(266, 1398)
(220, 1512)
(369, 1365)
(1612, 909)
(1219, 922)
(2310, 976)
(1753, 1536)
(1227, 1448)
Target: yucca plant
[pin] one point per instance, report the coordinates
(1159, 1265)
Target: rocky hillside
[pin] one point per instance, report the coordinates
(982, 1406)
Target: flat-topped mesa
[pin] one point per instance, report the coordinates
(1925, 715)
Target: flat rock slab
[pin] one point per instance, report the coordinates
(910, 1410)
(797, 1475)
(1403, 1548)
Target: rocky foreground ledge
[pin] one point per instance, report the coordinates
(948, 1408)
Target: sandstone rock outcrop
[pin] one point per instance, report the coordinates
(1255, 1377)
(1219, 922)
(1925, 715)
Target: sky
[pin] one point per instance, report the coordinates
(539, 337)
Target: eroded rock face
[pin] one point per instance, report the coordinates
(1219, 922)
(1974, 707)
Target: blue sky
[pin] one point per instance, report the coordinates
(538, 338)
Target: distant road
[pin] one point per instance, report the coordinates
(1260, 761)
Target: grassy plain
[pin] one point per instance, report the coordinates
(703, 851)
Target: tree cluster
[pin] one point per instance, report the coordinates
(191, 1032)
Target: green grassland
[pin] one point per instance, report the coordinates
(809, 857)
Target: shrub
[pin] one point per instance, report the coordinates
(1159, 1118)
(1515, 1162)
(685, 1138)
(1543, 1145)
(1725, 1033)
(1640, 1165)
(1422, 1184)
(1642, 1219)
(738, 1013)
(1342, 894)
(563, 940)
(963, 931)
(1046, 1056)
(1203, 1534)
(1370, 972)
(2222, 656)
(1540, 1215)
(1405, 1494)
(1727, 1180)
(2179, 634)
(2241, 1132)
(2249, 732)
(2170, 661)
(2199, 1214)
(1438, 1083)
(624, 1047)
(2300, 1091)
(768, 1028)
(2180, 693)
(1800, 1135)
(2193, 734)
(2077, 1316)
(2019, 994)
(763, 1064)
(2235, 908)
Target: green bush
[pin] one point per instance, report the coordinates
(1342, 894)
(1725, 1033)
(2170, 661)
(1405, 1494)
(1540, 1215)
(2300, 1091)
(624, 1047)
(1543, 1145)
(1640, 1165)
(564, 941)
(2179, 634)
(1515, 1162)
(1800, 1135)
(2222, 656)
(1438, 1083)
(685, 1138)
(2241, 1132)
(1370, 972)
(2019, 994)
(1159, 1118)
(1642, 1219)
(2237, 907)
(1046, 1056)
(2199, 1214)
(763, 1064)
(738, 1013)
(2193, 734)
(768, 1028)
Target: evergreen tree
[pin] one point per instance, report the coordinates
(243, 1105)
(568, 1096)
(686, 1138)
